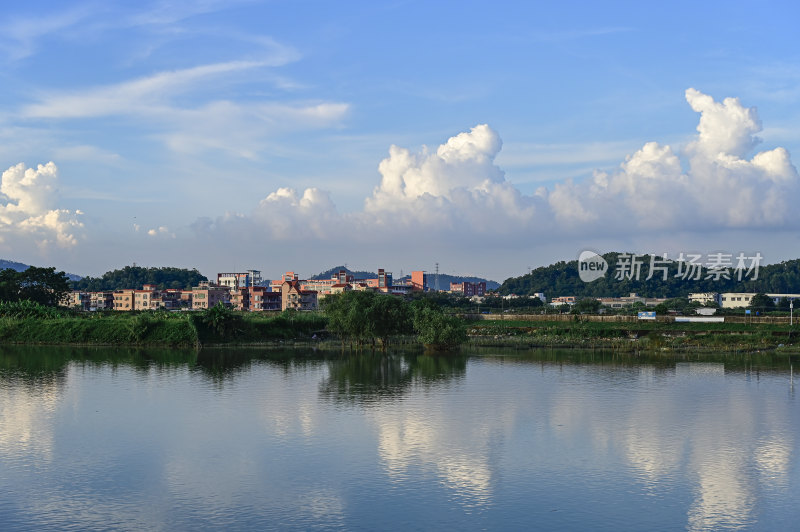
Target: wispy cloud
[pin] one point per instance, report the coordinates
(165, 12)
(135, 96)
(574, 34)
(19, 36)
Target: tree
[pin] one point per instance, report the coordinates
(9, 285)
(388, 316)
(39, 285)
(762, 302)
(435, 328)
(349, 315)
(587, 305)
(136, 276)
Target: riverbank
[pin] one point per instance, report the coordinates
(171, 329)
(634, 335)
(207, 329)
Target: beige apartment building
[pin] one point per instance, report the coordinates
(294, 297)
(207, 296)
(124, 299)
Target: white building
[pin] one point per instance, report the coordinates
(240, 280)
(742, 299)
(704, 297)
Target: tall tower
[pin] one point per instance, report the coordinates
(436, 278)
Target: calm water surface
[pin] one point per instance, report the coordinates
(255, 440)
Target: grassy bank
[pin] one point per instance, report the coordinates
(24, 323)
(157, 328)
(635, 336)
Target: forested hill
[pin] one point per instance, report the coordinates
(136, 276)
(562, 279)
(327, 274)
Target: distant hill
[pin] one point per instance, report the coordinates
(327, 274)
(562, 279)
(20, 267)
(444, 279)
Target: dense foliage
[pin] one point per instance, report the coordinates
(44, 286)
(362, 316)
(435, 328)
(365, 316)
(31, 323)
(136, 276)
(562, 278)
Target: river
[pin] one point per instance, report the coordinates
(488, 439)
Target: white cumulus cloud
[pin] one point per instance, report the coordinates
(448, 195)
(28, 210)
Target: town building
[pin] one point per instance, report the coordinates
(240, 280)
(419, 281)
(742, 299)
(468, 289)
(704, 298)
(77, 300)
(563, 300)
(294, 297)
(124, 299)
(626, 301)
(275, 285)
(255, 299)
(101, 300)
(151, 298)
(207, 296)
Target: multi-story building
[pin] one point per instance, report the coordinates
(151, 298)
(742, 299)
(275, 285)
(101, 300)
(468, 289)
(294, 297)
(419, 281)
(124, 299)
(255, 299)
(626, 301)
(384, 280)
(141, 298)
(77, 300)
(207, 296)
(704, 298)
(240, 280)
(262, 299)
(563, 300)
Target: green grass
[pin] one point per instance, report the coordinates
(634, 335)
(155, 328)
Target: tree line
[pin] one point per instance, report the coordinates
(562, 279)
(362, 317)
(44, 286)
(137, 276)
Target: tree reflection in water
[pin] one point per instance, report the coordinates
(369, 377)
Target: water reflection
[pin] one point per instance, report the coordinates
(489, 439)
(371, 377)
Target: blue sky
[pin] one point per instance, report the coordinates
(234, 135)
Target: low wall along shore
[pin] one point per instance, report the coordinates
(777, 320)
